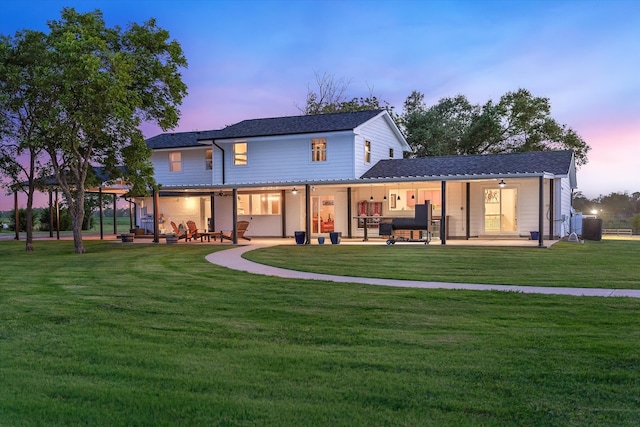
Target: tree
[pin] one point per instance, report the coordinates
(331, 98)
(22, 105)
(518, 122)
(101, 84)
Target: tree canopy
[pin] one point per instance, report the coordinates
(518, 122)
(98, 85)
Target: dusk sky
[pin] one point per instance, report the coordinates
(252, 59)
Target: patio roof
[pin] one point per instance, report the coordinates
(556, 163)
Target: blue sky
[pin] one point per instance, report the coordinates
(251, 59)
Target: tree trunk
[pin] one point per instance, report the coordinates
(76, 209)
(29, 224)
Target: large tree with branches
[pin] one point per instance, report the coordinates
(518, 122)
(101, 84)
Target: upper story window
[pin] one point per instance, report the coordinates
(208, 159)
(367, 151)
(319, 150)
(175, 161)
(391, 153)
(240, 153)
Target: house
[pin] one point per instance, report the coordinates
(345, 172)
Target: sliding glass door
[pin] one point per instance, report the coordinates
(500, 210)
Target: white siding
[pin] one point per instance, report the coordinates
(382, 138)
(193, 171)
(288, 158)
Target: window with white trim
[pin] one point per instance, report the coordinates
(367, 151)
(240, 153)
(175, 161)
(208, 159)
(319, 150)
(259, 204)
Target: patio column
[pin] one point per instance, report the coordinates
(443, 215)
(57, 216)
(551, 209)
(540, 211)
(307, 208)
(349, 213)
(100, 210)
(156, 202)
(130, 215)
(211, 226)
(50, 214)
(16, 215)
(468, 213)
(115, 215)
(283, 224)
(234, 204)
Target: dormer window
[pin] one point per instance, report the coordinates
(175, 161)
(319, 150)
(240, 153)
(367, 151)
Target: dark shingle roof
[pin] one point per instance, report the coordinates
(297, 124)
(180, 139)
(266, 127)
(554, 162)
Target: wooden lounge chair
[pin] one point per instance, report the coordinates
(241, 228)
(182, 234)
(192, 232)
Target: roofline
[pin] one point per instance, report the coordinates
(359, 181)
(248, 138)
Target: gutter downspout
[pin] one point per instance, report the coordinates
(213, 142)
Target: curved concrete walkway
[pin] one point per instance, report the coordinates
(232, 258)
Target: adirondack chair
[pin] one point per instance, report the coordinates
(241, 227)
(181, 233)
(192, 232)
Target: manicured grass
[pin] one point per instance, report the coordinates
(135, 334)
(610, 263)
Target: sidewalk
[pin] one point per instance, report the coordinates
(232, 258)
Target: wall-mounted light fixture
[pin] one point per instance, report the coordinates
(502, 184)
(294, 191)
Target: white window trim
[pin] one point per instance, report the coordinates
(322, 153)
(175, 162)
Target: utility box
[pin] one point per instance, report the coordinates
(592, 228)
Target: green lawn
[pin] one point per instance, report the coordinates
(610, 263)
(154, 335)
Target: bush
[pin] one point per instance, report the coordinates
(635, 223)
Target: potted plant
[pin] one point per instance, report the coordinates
(171, 238)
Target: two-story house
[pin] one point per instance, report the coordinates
(345, 172)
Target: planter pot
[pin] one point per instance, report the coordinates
(335, 237)
(300, 237)
(535, 235)
(127, 237)
(321, 240)
(171, 239)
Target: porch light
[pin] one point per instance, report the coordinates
(502, 184)
(294, 191)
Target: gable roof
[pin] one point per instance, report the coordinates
(558, 163)
(180, 139)
(296, 125)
